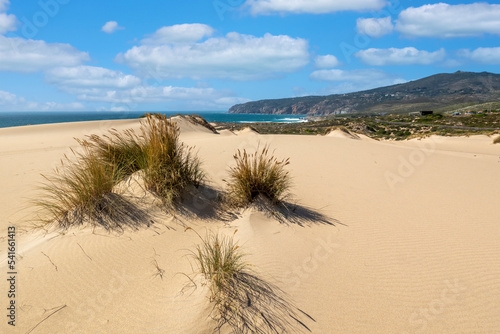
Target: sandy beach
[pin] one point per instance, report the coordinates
(408, 241)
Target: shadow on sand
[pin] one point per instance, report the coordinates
(289, 213)
(255, 306)
(113, 212)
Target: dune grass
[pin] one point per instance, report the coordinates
(220, 261)
(80, 190)
(242, 300)
(169, 166)
(121, 150)
(496, 140)
(259, 173)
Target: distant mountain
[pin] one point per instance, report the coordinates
(430, 93)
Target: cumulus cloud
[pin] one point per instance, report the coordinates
(445, 21)
(355, 80)
(111, 27)
(179, 33)
(327, 61)
(482, 55)
(128, 92)
(183, 97)
(311, 6)
(404, 56)
(11, 102)
(374, 27)
(146, 94)
(8, 22)
(90, 76)
(26, 55)
(234, 56)
(4, 5)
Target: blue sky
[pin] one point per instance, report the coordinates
(206, 55)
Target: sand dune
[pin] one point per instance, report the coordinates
(388, 237)
(341, 133)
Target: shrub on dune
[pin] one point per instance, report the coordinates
(242, 300)
(169, 166)
(256, 174)
(220, 262)
(81, 190)
(121, 150)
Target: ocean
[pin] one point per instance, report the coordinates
(10, 119)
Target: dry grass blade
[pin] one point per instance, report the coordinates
(159, 271)
(256, 174)
(51, 314)
(242, 300)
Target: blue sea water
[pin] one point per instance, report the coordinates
(20, 118)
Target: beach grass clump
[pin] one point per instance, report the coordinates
(82, 189)
(169, 166)
(242, 300)
(79, 191)
(123, 151)
(259, 173)
(220, 262)
(496, 140)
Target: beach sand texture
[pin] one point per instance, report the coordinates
(411, 243)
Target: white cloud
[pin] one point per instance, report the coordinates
(231, 101)
(147, 94)
(404, 56)
(11, 102)
(8, 22)
(483, 55)
(355, 80)
(4, 5)
(234, 56)
(312, 6)
(26, 55)
(128, 92)
(327, 61)
(374, 27)
(90, 76)
(445, 21)
(111, 27)
(180, 33)
(185, 97)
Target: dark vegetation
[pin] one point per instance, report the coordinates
(394, 126)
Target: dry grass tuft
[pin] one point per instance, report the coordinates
(260, 173)
(121, 150)
(242, 300)
(79, 191)
(496, 140)
(82, 189)
(169, 166)
(220, 261)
